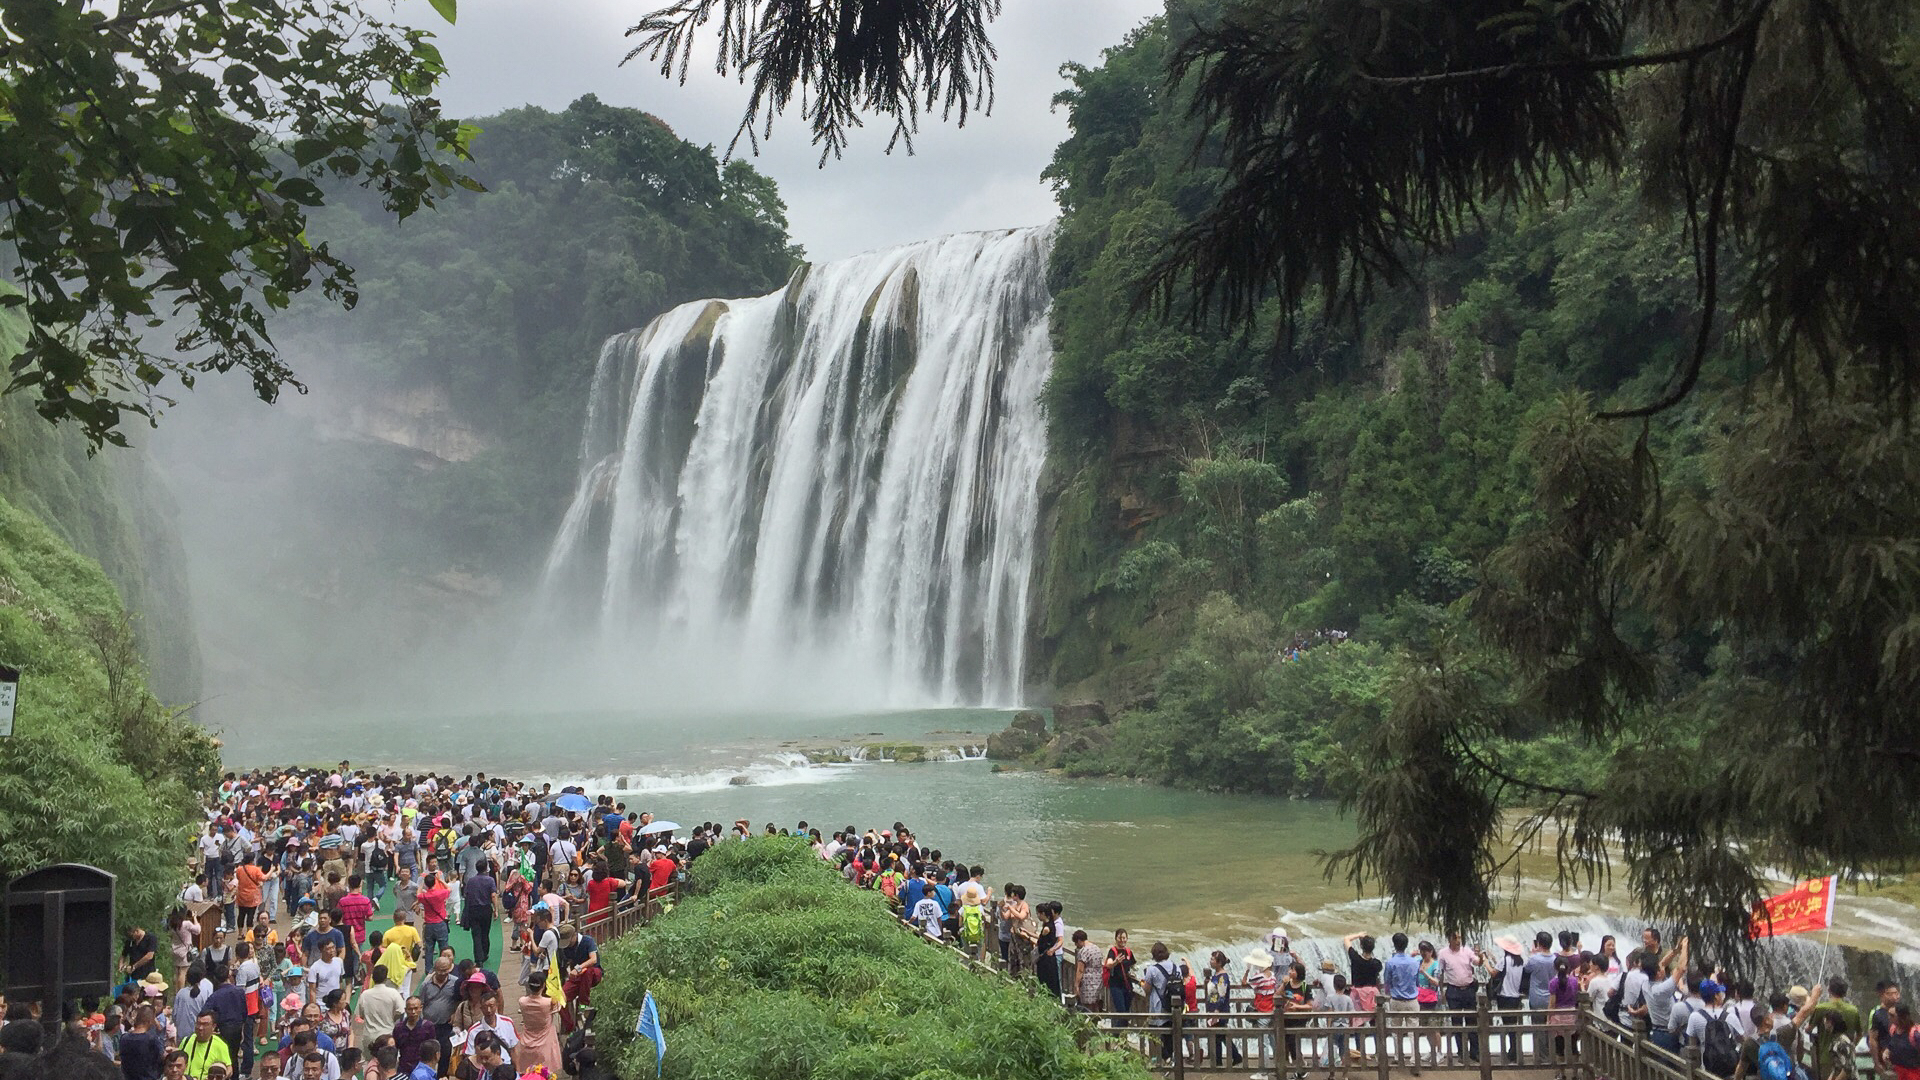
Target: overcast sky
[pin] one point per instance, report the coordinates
(506, 53)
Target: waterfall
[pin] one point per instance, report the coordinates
(837, 483)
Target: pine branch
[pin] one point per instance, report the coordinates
(1746, 26)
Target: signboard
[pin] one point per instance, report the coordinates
(59, 936)
(1806, 906)
(9, 690)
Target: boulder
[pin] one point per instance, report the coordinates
(620, 784)
(1029, 720)
(1014, 743)
(739, 781)
(1078, 744)
(1078, 716)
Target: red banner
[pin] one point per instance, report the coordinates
(1806, 906)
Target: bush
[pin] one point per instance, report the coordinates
(774, 969)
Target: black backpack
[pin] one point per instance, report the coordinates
(1720, 1048)
(1611, 1009)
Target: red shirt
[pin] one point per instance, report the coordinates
(662, 870)
(433, 904)
(599, 894)
(355, 910)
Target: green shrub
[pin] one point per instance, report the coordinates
(774, 969)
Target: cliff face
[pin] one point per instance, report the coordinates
(420, 418)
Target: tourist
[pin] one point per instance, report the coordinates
(1119, 964)
(1509, 971)
(1428, 993)
(142, 1049)
(325, 972)
(489, 1056)
(1089, 975)
(476, 914)
(1563, 1000)
(1025, 930)
(335, 1019)
(204, 1048)
(1461, 966)
(431, 898)
(1336, 1003)
(379, 1009)
(182, 931)
(1294, 996)
(1401, 975)
(538, 1032)
(412, 1033)
(1827, 1021)
(227, 1006)
(1162, 978)
(1880, 1023)
(1051, 942)
(1218, 1001)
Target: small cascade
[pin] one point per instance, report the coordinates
(832, 485)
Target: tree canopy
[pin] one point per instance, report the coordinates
(157, 170)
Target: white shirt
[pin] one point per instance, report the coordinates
(501, 1026)
(323, 976)
(970, 892)
(1600, 988)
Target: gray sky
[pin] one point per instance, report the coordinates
(506, 53)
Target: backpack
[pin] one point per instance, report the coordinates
(973, 924)
(1720, 1048)
(1611, 1010)
(1775, 1062)
(1176, 974)
(441, 848)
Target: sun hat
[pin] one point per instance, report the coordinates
(1327, 965)
(1507, 945)
(1259, 958)
(477, 977)
(1797, 994)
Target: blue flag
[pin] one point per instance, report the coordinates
(649, 1025)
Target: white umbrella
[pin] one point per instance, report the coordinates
(658, 827)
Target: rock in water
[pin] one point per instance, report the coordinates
(740, 781)
(1078, 716)
(620, 784)
(1027, 733)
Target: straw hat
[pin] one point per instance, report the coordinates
(1259, 958)
(1797, 995)
(1327, 965)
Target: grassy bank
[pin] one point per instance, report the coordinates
(774, 969)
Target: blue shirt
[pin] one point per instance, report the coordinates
(916, 888)
(423, 1071)
(1403, 977)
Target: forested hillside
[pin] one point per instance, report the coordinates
(1249, 526)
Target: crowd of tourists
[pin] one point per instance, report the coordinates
(313, 938)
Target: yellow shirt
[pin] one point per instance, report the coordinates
(202, 1053)
(408, 939)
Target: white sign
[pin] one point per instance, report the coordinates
(8, 690)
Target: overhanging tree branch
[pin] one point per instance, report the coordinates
(1747, 24)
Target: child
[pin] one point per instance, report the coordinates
(1337, 1002)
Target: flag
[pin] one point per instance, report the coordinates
(554, 991)
(649, 1025)
(1806, 906)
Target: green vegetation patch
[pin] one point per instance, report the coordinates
(96, 771)
(775, 968)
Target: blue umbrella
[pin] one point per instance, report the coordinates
(574, 801)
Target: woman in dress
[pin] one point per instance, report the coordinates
(1090, 973)
(539, 1039)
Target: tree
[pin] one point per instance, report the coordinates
(157, 171)
(841, 57)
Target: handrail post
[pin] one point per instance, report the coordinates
(1279, 1021)
(1579, 1053)
(1483, 1021)
(1176, 1002)
(1380, 1037)
(1692, 1053)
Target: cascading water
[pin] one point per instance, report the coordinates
(832, 485)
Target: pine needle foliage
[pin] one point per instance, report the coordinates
(1356, 137)
(838, 59)
(1788, 742)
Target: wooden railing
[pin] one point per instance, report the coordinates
(1572, 1042)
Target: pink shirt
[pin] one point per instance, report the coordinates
(1456, 966)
